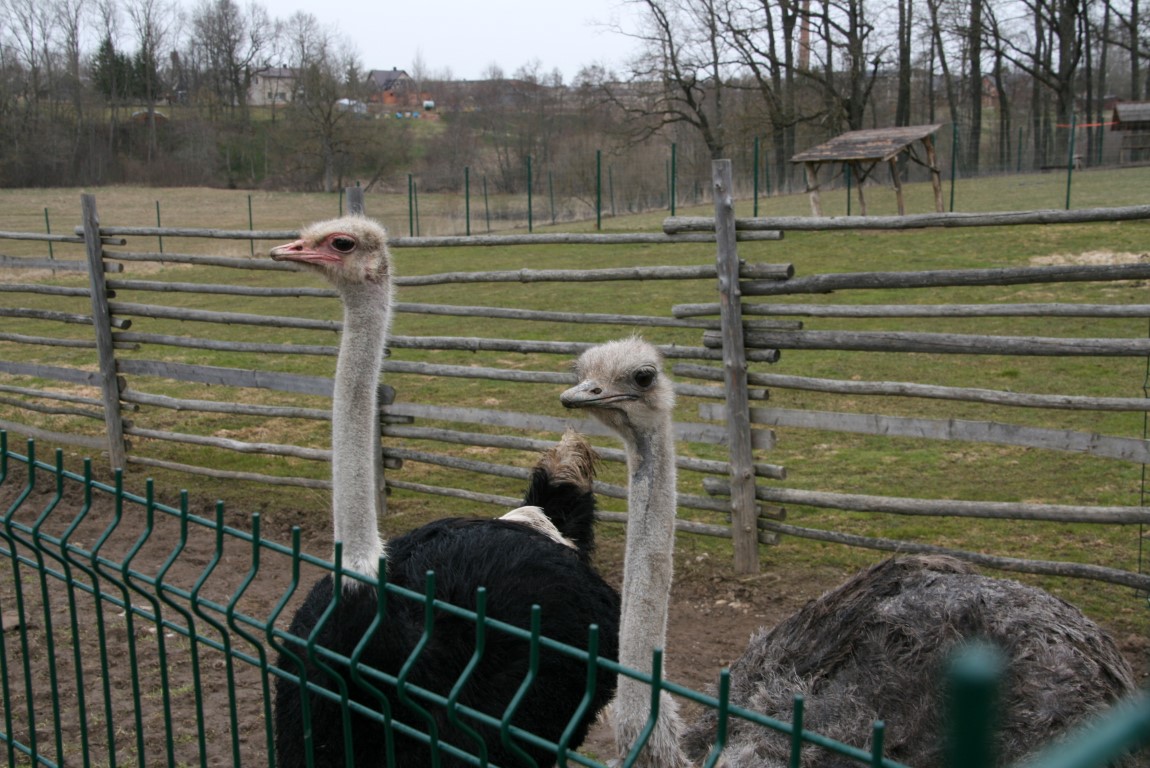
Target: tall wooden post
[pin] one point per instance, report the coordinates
(744, 514)
(102, 320)
(935, 175)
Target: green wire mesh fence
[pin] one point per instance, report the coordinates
(137, 632)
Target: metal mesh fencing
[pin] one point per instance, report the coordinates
(137, 631)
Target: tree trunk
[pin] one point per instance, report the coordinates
(974, 43)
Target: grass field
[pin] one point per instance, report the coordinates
(814, 460)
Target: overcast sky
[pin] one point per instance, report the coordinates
(467, 36)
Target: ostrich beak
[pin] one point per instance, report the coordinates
(302, 252)
(590, 393)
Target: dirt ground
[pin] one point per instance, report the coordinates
(712, 616)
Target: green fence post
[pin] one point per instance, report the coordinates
(551, 194)
(486, 205)
(953, 164)
(1070, 157)
(598, 189)
(972, 707)
(530, 222)
(467, 199)
(251, 226)
(410, 206)
(158, 225)
(48, 231)
(674, 160)
(611, 187)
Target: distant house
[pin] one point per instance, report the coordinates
(393, 88)
(274, 85)
(1133, 119)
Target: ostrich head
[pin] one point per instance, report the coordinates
(347, 251)
(623, 385)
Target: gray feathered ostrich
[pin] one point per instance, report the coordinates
(518, 566)
(875, 648)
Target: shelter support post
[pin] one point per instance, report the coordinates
(894, 177)
(935, 174)
(813, 188)
(860, 182)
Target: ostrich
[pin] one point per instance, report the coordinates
(517, 565)
(874, 648)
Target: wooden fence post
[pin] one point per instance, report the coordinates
(102, 321)
(744, 513)
(357, 207)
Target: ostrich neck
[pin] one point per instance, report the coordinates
(354, 426)
(647, 566)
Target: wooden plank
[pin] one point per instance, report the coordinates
(1090, 443)
(687, 431)
(227, 444)
(1019, 565)
(991, 510)
(939, 343)
(941, 278)
(742, 478)
(47, 290)
(54, 410)
(63, 438)
(48, 395)
(929, 391)
(229, 377)
(214, 406)
(916, 221)
(59, 317)
(55, 372)
(227, 474)
(624, 238)
(923, 310)
(193, 342)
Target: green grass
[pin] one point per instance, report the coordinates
(814, 459)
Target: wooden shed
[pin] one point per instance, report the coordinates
(1133, 119)
(863, 151)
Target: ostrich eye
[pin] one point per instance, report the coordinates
(644, 377)
(343, 244)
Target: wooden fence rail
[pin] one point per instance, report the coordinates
(145, 347)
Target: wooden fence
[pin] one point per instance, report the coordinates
(128, 381)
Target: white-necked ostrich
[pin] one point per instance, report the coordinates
(518, 566)
(874, 648)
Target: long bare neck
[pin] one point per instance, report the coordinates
(354, 427)
(647, 571)
(650, 544)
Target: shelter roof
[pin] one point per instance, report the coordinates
(876, 144)
(1128, 112)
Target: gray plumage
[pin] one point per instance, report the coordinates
(876, 648)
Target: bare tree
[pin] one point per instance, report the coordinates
(1050, 55)
(679, 76)
(235, 44)
(847, 31)
(763, 37)
(152, 21)
(319, 119)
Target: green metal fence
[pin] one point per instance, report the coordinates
(138, 632)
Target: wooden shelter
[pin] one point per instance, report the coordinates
(862, 151)
(1133, 119)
